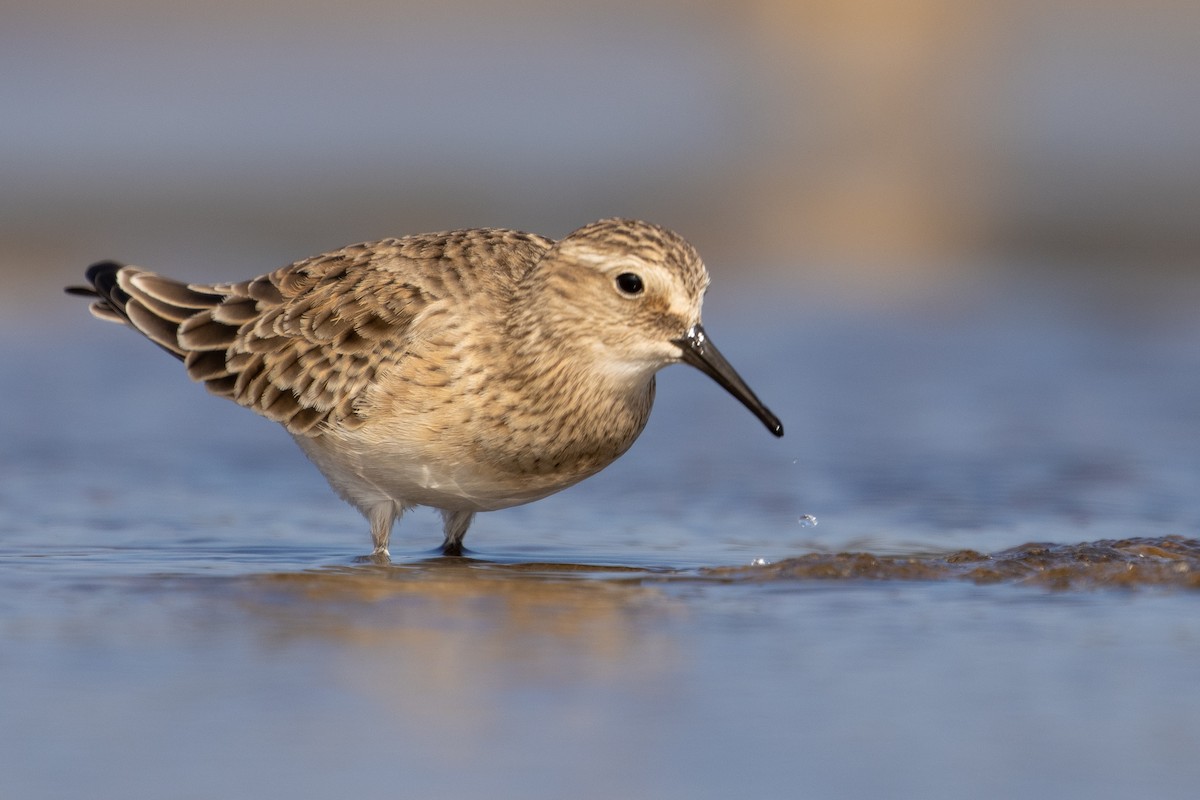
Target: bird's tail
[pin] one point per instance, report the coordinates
(150, 304)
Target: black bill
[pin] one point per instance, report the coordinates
(699, 351)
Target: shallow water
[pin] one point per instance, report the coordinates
(183, 616)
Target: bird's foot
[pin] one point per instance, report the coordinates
(453, 549)
(380, 558)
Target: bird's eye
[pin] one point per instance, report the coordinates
(629, 283)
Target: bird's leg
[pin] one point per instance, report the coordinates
(455, 524)
(382, 516)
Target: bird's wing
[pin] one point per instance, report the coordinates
(297, 345)
(301, 344)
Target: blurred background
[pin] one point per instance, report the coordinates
(862, 146)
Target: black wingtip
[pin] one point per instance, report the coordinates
(103, 276)
(103, 279)
(103, 272)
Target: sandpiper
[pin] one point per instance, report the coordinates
(468, 371)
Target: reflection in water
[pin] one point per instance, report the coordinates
(1163, 561)
(458, 678)
(437, 640)
(449, 646)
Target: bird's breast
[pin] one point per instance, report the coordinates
(476, 448)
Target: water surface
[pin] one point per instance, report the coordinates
(183, 616)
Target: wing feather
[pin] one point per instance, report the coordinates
(301, 345)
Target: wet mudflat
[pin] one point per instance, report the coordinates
(998, 598)
(1166, 562)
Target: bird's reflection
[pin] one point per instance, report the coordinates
(450, 639)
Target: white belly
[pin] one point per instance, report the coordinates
(420, 478)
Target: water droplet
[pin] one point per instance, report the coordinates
(759, 562)
(808, 521)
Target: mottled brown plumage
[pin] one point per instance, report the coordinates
(468, 371)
